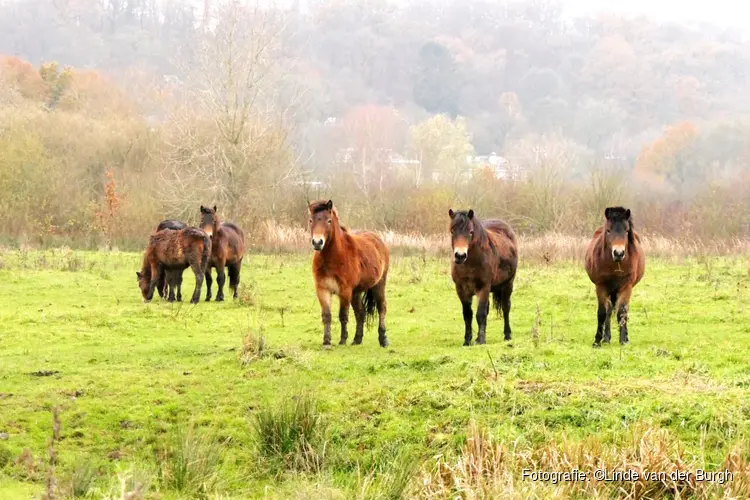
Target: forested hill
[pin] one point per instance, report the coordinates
(609, 83)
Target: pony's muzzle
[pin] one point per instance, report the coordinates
(618, 253)
(459, 256)
(317, 243)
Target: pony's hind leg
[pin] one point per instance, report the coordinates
(382, 306)
(209, 282)
(199, 275)
(505, 305)
(359, 315)
(234, 276)
(344, 301)
(221, 278)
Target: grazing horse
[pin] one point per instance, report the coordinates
(227, 250)
(171, 279)
(352, 265)
(485, 259)
(615, 263)
(189, 247)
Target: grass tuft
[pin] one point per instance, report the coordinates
(190, 462)
(292, 436)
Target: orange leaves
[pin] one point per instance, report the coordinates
(664, 157)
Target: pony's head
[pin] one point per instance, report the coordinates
(462, 229)
(144, 283)
(209, 220)
(618, 231)
(322, 217)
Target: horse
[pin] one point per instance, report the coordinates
(615, 263)
(170, 279)
(188, 247)
(485, 260)
(352, 265)
(227, 250)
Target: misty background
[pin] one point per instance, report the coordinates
(115, 114)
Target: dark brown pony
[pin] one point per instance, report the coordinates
(227, 251)
(352, 265)
(189, 247)
(485, 259)
(170, 281)
(615, 263)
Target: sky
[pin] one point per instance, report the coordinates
(720, 12)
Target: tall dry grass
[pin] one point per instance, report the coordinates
(546, 248)
(485, 468)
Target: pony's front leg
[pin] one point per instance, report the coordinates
(156, 270)
(602, 314)
(209, 282)
(344, 301)
(483, 309)
(221, 278)
(359, 315)
(324, 297)
(465, 297)
(622, 306)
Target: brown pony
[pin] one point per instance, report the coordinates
(227, 250)
(615, 263)
(352, 265)
(485, 259)
(170, 280)
(189, 247)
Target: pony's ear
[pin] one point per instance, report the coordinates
(137, 273)
(329, 205)
(451, 213)
(607, 211)
(203, 209)
(214, 208)
(471, 214)
(627, 213)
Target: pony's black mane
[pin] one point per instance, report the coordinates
(461, 220)
(620, 214)
(319, 206)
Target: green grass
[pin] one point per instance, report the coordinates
(129, 377)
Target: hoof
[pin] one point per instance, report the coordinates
(219, 299)
(357, 342)
(342, 342)
(384, 343)
(624, 342)
(481, 341)
(327, 347)
(467, 343)
(507, 338)
(606, 341)
(596, 345)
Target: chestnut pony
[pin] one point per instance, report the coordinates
(485, 259)
(352, 265)
(227, 251)
(170, 280)
(615, 263)
(172, 249)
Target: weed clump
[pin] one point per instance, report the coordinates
(292, 436)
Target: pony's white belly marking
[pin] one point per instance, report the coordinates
(331, 285)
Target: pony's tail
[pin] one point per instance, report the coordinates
(368, 300)
(497, 300)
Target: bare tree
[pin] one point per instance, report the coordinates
(231, 130)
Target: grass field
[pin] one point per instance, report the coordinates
(238, 400)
